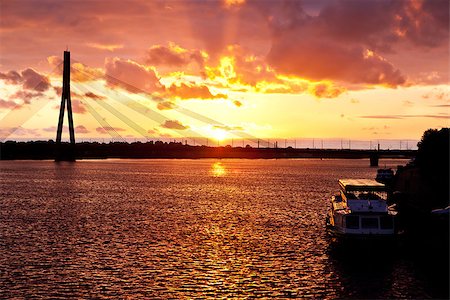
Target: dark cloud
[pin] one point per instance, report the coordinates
(334, 44)
(173, 55)
(11, 77)
(28, 78)
(304, 55)
(382, 24)
(32, 80)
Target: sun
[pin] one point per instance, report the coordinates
(219, 134)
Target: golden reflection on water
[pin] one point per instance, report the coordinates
(218, 170)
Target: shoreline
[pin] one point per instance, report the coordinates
(65, 151)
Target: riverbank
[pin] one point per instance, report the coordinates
(50, 150)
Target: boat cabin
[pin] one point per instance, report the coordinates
(361, 208)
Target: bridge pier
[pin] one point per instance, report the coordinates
(65, 152)
(374, 158)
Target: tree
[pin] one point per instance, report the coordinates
(433, 161)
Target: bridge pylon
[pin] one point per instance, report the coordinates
(64, 153)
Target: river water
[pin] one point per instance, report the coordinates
(187, 229)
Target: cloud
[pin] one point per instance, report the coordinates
(131, 76)
(228, 128)
(19, 131)
(8, 104)
(192, 91)
(237, 103)
(438, 94)
(94, 96)
(241, 70)
(11, 77)
(381, 117)
(174, 55)
(438, 116)
(81, 129)
(108, 47)
(350, 41)
(174, 124)
(78, 107)
(322, 90)
(102, 130)
(53, 129)
(381, 25)
(32, 80)
(79, 72)
(28, 78)
(305, 55)
(153, 131)
(165, 105)
(408, 103)
(25, 96)
(239, 65)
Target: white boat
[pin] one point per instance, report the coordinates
(360, 210)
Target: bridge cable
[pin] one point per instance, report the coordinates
(121, 116)
(103, 123)
(142, 109)
(186, 111)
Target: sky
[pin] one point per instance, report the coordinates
(231, 69)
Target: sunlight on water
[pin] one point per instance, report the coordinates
(218, 170)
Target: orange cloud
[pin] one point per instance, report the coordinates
(192, 91)
(165, 105)
(109, 47)
(79, 71)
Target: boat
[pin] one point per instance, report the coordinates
(360, 210)
(385, 175)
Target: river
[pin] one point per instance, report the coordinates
(187, 229)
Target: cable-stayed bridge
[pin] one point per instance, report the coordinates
(241, 139)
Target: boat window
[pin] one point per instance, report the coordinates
(352, 222)
(386, 222)
(369, 222)
(369, 196)
(350, 195)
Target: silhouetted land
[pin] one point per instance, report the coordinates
(93, 150)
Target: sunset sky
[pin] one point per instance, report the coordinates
(348, 69)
